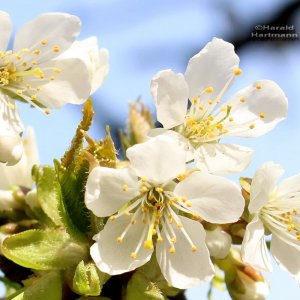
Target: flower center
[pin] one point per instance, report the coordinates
(157, 208)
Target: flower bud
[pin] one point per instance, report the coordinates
(218, 243)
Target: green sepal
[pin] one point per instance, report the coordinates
(43, 250)
(49, 194)
(88, 280)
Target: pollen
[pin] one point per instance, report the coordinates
(148, 245)
(159, 190)
(133, 255)
(150, 197)
(195, 100)
(37, 51)
(172, 250)
(112, 218)
(159, 239)
(144, 179)
(181, 176)
(184, 199)
(251, 126)
(55, 48)
(173, 239)
(209, 89)
(210, 102)
(33, 97)
(44, 42)
(262, 115)
(57, 70)
(52, 78)
(218, 101)
(34, 62)
(237, 72)
(194, 248)
(119, 240)
(258, 86)
(243, 100)
(231, 119)
(179, 225)
(144, 189)
(125, 187)
(127, 213)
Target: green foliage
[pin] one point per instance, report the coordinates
(88, 280)
(43, 250)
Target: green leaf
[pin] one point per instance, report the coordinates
(43, 250)
(88, 280)
(49, 194)
(139, 287)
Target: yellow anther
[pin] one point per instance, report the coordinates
(19, 92)
(11, 106)
(295, 211)
(201, 107)
(144, 189)
(172, 250)
(38, 88)
(231, 119)
(125, 187)
(56, 48)
(251, 126)
(243, 100)
(218, 101)
(154, 231)
(211, 135)
(209, 89)
(150, 197)
(112, 218)
(47, 111)
(194, 248)
(18, 56)
(52, 78)
(144, 179)
(37, 51)
(159, 239)
(57, 70)
(127, 213)
(173, 239)
(33, 97)
(195, 100)
(133, 222)
(171, 202)
(119, 240)
(183, 199)
(43, 42)
(133, 255)
(159, 190)
(175, 199)
(237, 72)
(34, 62)
(148, 245)
(24, 64)
(291, 227)
(179, 225)
(181, 176)
(258, 86)
(210, 102)
(189, 204)
(196, 216)
(144, 221)
(262, 115)
(298, 237)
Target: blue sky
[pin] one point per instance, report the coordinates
(144, 37)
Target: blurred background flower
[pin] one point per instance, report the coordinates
(144, 37)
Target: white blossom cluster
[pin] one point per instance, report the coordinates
(171, 187)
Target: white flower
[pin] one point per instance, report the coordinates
(250, 112)
(37, 71)
(275, 210)
(19, 174)
(153, 206)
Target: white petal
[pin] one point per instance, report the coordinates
(20, 174)
(58, 29)
(11, 128)
(5, 30)
(213, 67)
(218, 243)
(269, 102)
(185, 268)
(287, 256)
(72, 85)
(170, 93)
(158, 159)
(215, 199)
(182, 142)
(254, 249)
(115, 258)
(104, 193)
(263, 184)
(290, 186)
(219, 158)
(96, 59)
